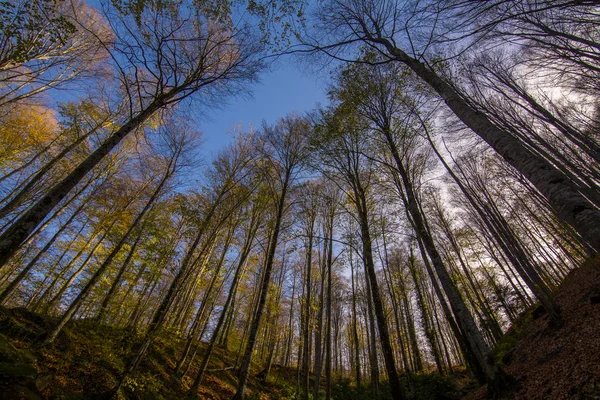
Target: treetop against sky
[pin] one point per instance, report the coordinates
(286, 88)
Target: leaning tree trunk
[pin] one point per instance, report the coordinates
(232, 290)
(503, 236)
(107, 262)
(374, 361)
(12, 239)
(23, 274)
(494, 374)
(427, 325)
(570, 205)
(160, 315)
(51, 306)
(39, 175)
(117, 282)
(34, 304)
(201, 310)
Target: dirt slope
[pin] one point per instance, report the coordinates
(560, 363)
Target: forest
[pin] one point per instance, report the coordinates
(431, 232)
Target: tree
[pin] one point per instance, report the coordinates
(172, 165)
(226, 193)
(307, 214)
(340, 147)
(173, 54)
(253, 223)
(48, 45)
(386, 27)
(377, 95)
(283, 150)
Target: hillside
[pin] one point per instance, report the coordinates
(87, 358)
(546, 362)
(557, 363)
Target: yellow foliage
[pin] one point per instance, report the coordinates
(25, 129)
(155, 121)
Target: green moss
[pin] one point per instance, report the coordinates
(512, 336)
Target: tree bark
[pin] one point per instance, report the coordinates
(12, 239)
(570, 205)
(245, 367)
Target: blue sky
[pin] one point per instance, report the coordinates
(282, 90)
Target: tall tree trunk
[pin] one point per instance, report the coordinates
(239, 271)
(355, 327)
(274, 343)
(12, 239)
(290, 329)
(205, 299)
(181, 277)
(307, 313)
(319, 327)
(53, 303)
(329, 262)
(107, 262)
(373, 359)
(464, 344)
(504, 237)
(36, 303)
(25, 271)
(384, 336)
(571, 206)
(387, 274)
(495, 376)
(245, 367)
(39, 175)
(117, 282)
(429, 331)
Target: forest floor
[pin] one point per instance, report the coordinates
(86, 360)
(549, 363)
(546, 362)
